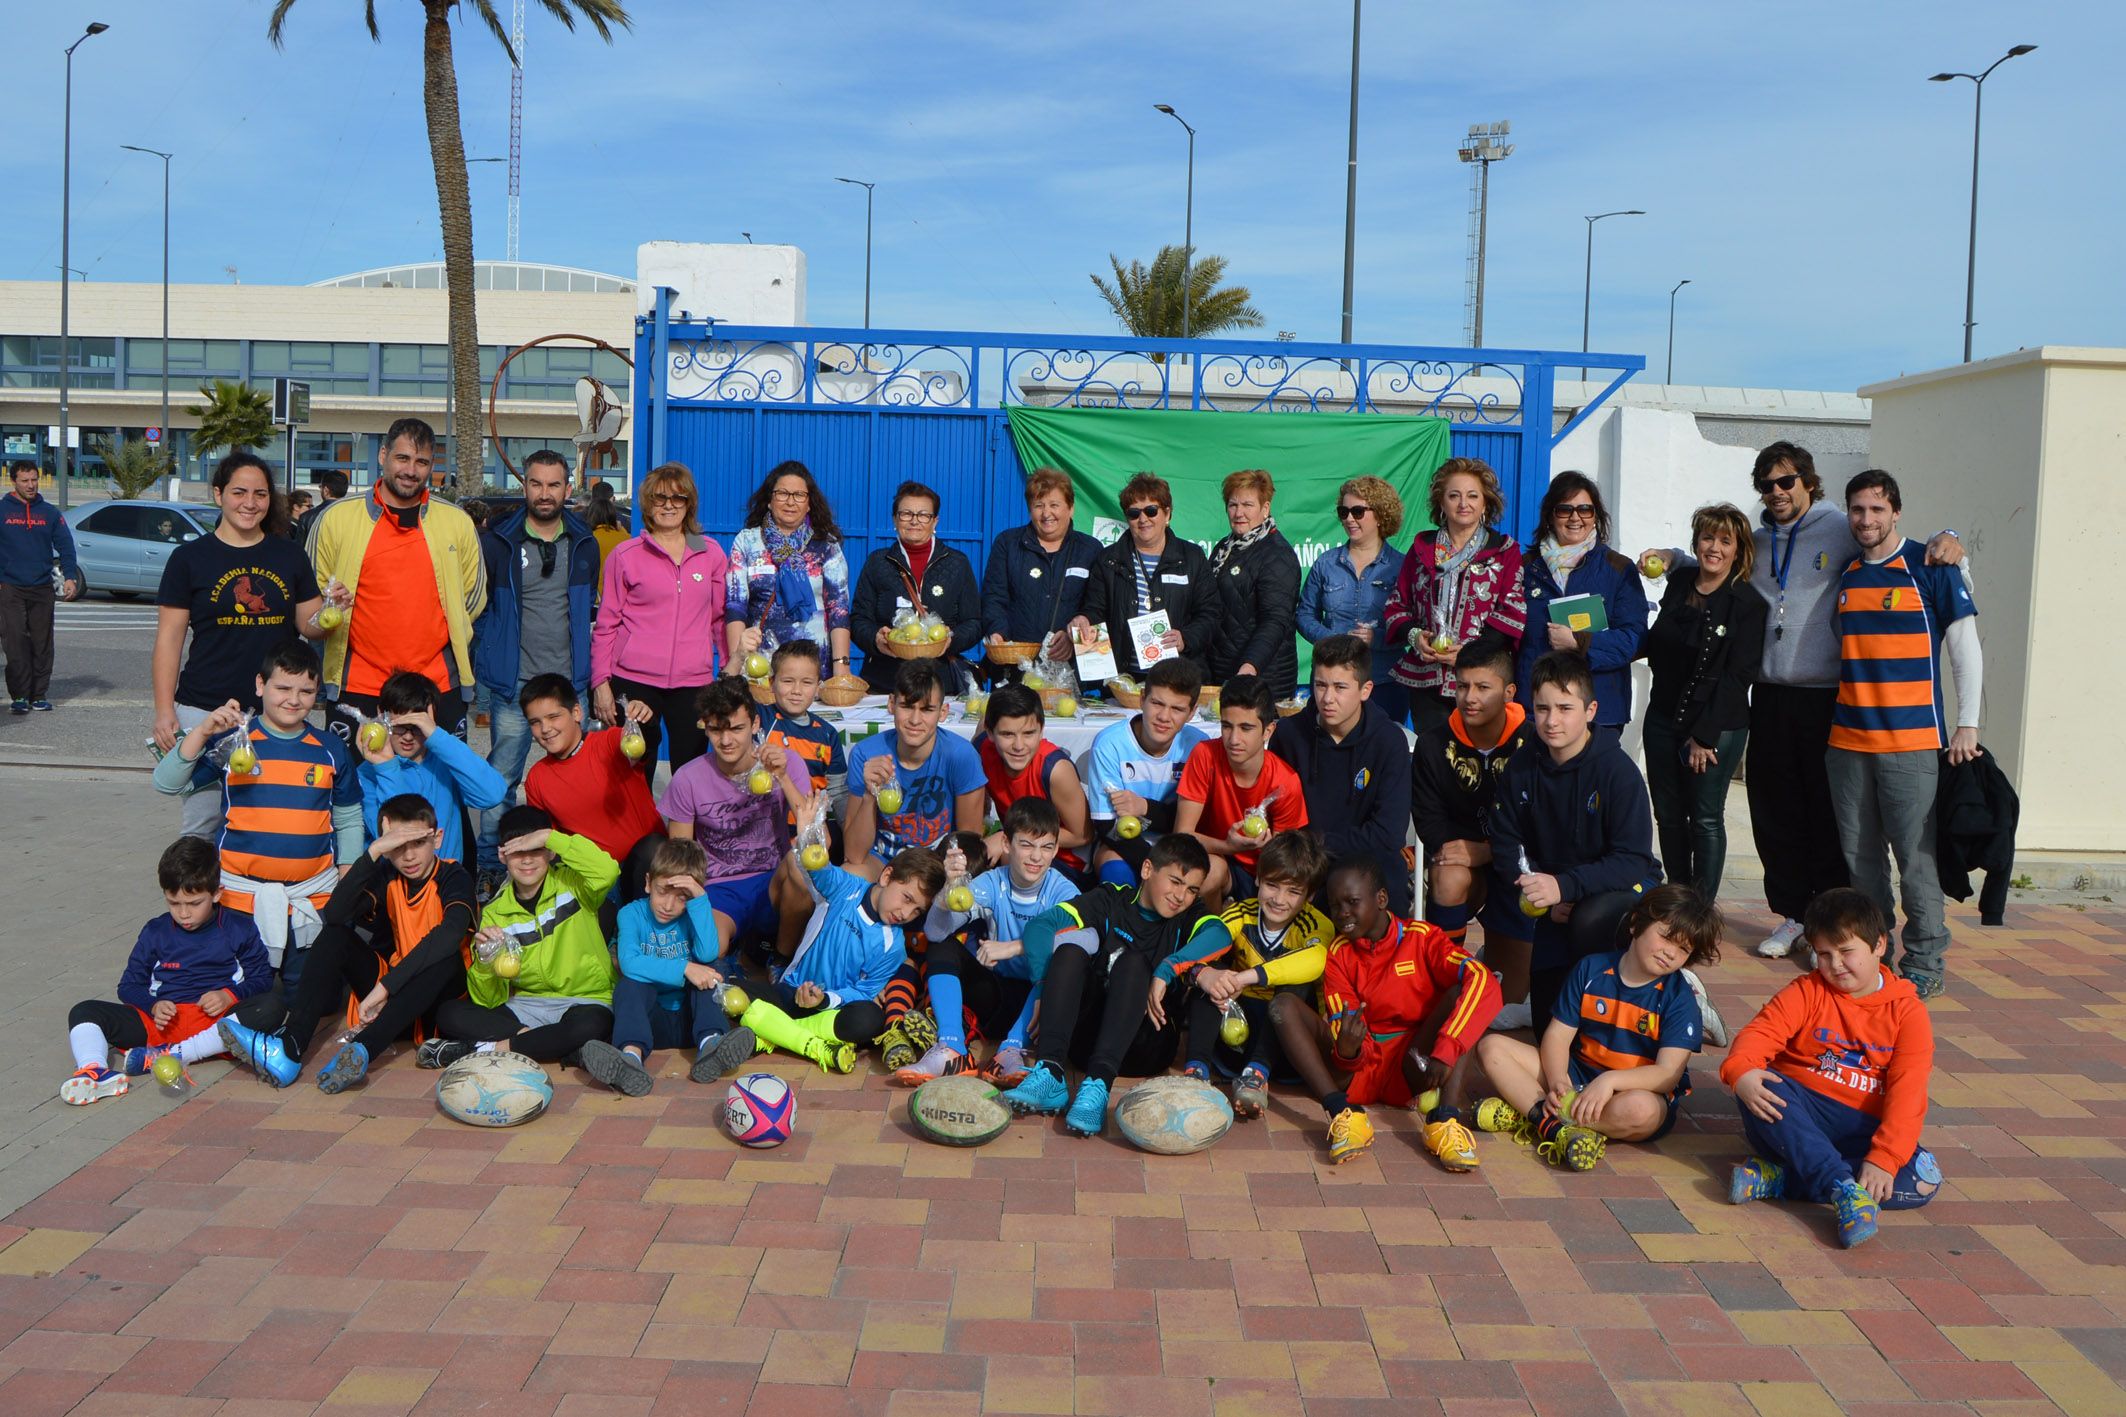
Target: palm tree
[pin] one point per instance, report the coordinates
(446, 150)
(1148, 302)
(132, 465)
(235, 416)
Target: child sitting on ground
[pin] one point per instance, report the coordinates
(1281, 943)
(188, 968)
(1613, 1065)
(416, 758)
(541, 978)
(671, 989)
(1832, 1075)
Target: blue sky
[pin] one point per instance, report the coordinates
(1794, 163)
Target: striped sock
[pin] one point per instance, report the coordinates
(898, 996)
(1452, 920)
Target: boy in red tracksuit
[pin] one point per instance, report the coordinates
(1402, 1009)
(1832, 1078)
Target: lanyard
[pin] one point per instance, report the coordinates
(1780, 566)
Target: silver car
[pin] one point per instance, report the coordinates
(123, 545)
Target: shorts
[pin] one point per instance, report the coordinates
(1585, 1073)
(746, 900)
(1378, 1075)
(188, 1020)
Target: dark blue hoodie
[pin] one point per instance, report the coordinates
(1586, 821)
(34, 535)
(171, 962)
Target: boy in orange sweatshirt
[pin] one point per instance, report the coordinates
(1832, 1078)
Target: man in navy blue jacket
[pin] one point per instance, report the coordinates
(1572, 831)
(542, 569)
(1355, 763)
(33, 538)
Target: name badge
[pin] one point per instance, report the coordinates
(1079, 571)
(1171, 579)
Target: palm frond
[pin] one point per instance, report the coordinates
(278, 19)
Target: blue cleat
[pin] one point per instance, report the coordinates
(1756, 1180)
(1856, 1214)
(348, 1066)
(1042, 1094)
(1088, 1114)
(138, 1062)
(263, 1053)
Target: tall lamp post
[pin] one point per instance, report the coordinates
(1978, 108)
(1351, 182)
(867, 186)
(1587, 285)
(66, 236)
(1188, 219)
(1670, 377)
(167, 440)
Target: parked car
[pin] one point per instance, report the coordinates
(123, 545)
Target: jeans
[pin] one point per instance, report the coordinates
(1885, 805)
(202, 810)
(1822, 1143)
(640, 1019)
(1391, 698)
(1690, 808)
(509, 744)
(1790, 795)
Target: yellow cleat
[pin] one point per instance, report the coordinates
(1496, 1114)
(1350, 1135)
(1452, 1143)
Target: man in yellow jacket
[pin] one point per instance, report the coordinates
(407, 572)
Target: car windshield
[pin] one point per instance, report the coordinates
(207, 517)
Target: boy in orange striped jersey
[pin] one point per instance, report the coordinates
(1402, 1008)
(1613, 1064)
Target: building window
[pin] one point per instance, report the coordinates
(329, 368)
(190, 359)
(550, 372)
(32, 362)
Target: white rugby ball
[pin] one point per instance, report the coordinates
(1173, 1116)
(494, 1090)
(960, 1109)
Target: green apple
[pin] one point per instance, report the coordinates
(757, 665)
(889, 799)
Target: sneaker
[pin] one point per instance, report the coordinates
(1251, 1094)
(1498, 1116)
(40, 705)
(348, 1066)
(1715, 1026)
(1574, 1148)
(833, 1055)
(1008, 1067)
(139, 1062)
(939, 1062)
(1042, 1093)
(1927, 986)
(616, 1068)
(1512, 1016)
(1201, 1072)
(720, 1056)
(1780, 942)
(1350, 1135)
(92, 1084)
(21, 706)
(1756, 1180)
(1088, 1110)
(1451, 1142)
(441, 1052)
(1856, 1214)
(263, 1053)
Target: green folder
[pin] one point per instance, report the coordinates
(1581, 614)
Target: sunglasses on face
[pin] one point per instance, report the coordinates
(667, 499)
(1578, 511)
(1784, 484)
(1353, 513)
(1145, 514)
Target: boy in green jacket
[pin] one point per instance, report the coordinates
(540, 981)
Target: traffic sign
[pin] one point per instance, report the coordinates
(154, 436)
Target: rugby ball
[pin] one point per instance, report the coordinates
(494, 1090)
(760, 1110)
(1173, 1116)
(960, 1110)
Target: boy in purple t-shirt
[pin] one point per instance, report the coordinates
(735, 798)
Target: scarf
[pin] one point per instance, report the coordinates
(793, 569)
(1230, 546)
(1563, 559)
(1446, 604)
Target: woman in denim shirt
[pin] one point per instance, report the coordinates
(1347, 589)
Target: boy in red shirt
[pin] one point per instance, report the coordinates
(590, 787)
(1402, 1009)
(1832, 1078)
(1234, 794)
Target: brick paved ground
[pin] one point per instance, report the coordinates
(278, 1253)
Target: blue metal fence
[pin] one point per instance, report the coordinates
(868, 409)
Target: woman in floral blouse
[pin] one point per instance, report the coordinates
(1458, 582)
(788, 579)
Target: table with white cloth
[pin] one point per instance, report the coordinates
(1073, 735)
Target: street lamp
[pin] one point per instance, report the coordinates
(153, 152)
(1351, 182)
(1670, 377)
(1188, 218)
(66, 236)
(867, 186)
(1587, 286)
(1978, 105)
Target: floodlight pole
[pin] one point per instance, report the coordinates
(867, 186)
(1670, 377)
(1978, 108)
(1351, 183)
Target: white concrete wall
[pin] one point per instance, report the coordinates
(743, 284)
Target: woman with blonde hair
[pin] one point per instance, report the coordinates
(1255, 575)
(1460, 581)
(1037, 573)
(1346, 592)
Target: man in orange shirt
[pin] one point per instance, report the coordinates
(408, 572)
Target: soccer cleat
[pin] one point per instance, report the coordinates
(1350, 1135)
(939, 1062)
(833, 1055)
(1497, 1115)
(1756, 1180)
(1042, 1093)
(1088, 1110)
(719, 1057)
(894, 1049)
(617, 1068)
(1856, 1214)
(1201, 1072)
(139, 1062)
(1578, 1148)
(1451, 1142)
(1008, 1067)
(348, 1066)
(263, 1053)
(1780, 942)
(1715, 1026)
(920, 1029)
(1927, 986)
(441, 1052)
(1251, 1094)
(92, 1084)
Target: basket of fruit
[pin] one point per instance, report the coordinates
(1013, 651)
(843, 691)
(919, 638)
(763, 690)
(1126, 692)
(1287, 707)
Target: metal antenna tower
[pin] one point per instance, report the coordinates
(1481, 149)
(516, 125)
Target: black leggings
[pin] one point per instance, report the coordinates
(1596, 922)
(859, 1022)
(341, 959)
(1204, 1020)
(120, 1023)
(672, 717)
(1095, 1017)
(555, 1042)
(994, 999)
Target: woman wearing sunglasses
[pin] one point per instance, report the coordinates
(1459, 581)
(1347, 590)
(1572, 557)
(1150, 569)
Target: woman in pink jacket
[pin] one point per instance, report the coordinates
(660, 620)
(1460, 582)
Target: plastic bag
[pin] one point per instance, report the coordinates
(1233, 1024)
(330, 617)
(172, 1078)
(1255, 822)
(373, 735)
(633, 745)
(235, 753)
(1050, 675)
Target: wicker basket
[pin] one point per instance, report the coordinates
(1128, 698)
(1287, 707)
(843, 691)
(1207, 695)
(926, 650)
(763, 690)
(1013, 652)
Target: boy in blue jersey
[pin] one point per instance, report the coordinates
(977, 957)
(823, 1004)
(190, 966)
(912, 784)
(436, 766)
(790, 723)
(1612, 1065)
(1134, 769)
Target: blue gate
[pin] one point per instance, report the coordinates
(868, 409)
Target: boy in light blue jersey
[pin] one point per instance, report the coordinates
(435, 766)
(1134, 769)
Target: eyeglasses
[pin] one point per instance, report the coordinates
(1145, 513)
(910, 514)
(1578, 511)
(1784, 484)
(785, 494)
(669, 499)
(1353, 513)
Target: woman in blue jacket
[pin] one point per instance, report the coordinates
(1572, 556)
(1037, 573)
(1347, 590)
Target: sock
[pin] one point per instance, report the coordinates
(793, 1035)
(483, 1047)
(946, 1003)
(91, 1048)
(1545, 1121)
(200, 1046)
(1015, 1036)
(1199, 1065)
(1117, 871)
(1253, 1067)
(1453, 920)
(1338, 1101)
(897, 998)
(1444, 1113)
